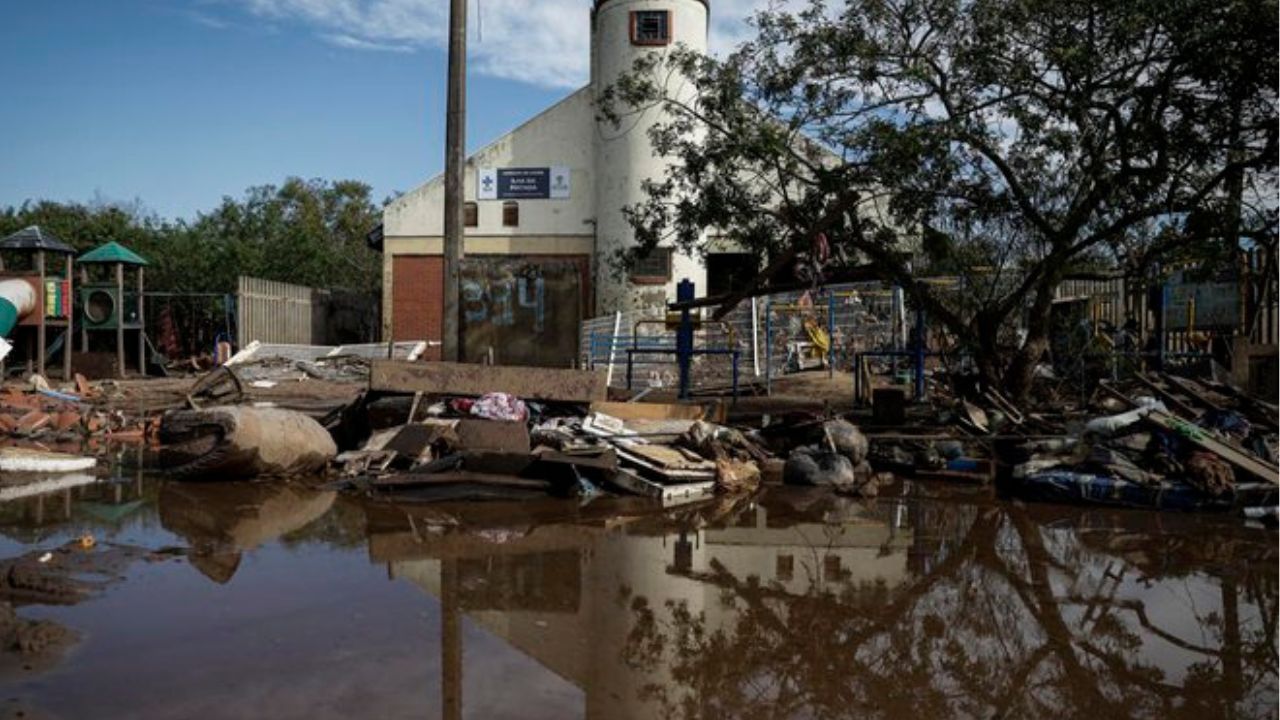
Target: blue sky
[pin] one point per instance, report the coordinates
(177, 103)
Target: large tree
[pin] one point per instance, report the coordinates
(1006, 141)
(310, 232)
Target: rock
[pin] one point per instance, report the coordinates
(865, 484)
(846, 439)
(31, 637)
(811, 465)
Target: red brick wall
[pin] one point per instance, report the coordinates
(417, 299)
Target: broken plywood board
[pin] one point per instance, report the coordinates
(649, 411)
(529, 383)
(672, 457)
(669, 470)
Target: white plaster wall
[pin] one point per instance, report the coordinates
(558, 136)
(624, 155)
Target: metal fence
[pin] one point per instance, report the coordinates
(873, 326)
(638, 350)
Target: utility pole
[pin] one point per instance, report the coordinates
(454, 161)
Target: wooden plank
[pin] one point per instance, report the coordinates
(1237, 458)
(1192, 392)
(529, 383)
(1168, 397)
(649, 411)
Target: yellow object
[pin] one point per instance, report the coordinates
(817, 335)
(87, 541)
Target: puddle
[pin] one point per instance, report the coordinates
(288, 602)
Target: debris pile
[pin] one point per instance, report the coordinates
(41, 414)
(1188, 449)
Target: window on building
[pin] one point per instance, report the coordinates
(727, 272)
(785, 568)
(650, 27)
(831, 571)
(510, 214)
(470, 214)
(654, 268)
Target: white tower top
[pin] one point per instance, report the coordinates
(621, 32)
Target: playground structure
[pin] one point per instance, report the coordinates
(42, 304)
(107, 306)
(36, 299)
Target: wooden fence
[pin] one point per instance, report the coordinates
(276, 312)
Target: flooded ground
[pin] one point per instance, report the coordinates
(277, 601)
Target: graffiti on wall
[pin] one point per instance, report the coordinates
(523, 311)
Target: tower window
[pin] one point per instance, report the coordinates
(653, 269)
(510, 214)
(470, 214)
(650, 27)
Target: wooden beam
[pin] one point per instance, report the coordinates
(529, 383)
(84, 329)
(69, 343)
(43, 298)
(120, 319)
(1239, 459)
(142, 326)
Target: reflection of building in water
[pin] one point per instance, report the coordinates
(978, 609)
(568, 596)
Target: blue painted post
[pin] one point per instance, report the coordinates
(736, 357)
(920, 340)
(831, 333)
(684, 336)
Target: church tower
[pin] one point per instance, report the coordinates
(621, 32)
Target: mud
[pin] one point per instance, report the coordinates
(272, 600)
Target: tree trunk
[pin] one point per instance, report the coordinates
(1020, 374)
(987, 358)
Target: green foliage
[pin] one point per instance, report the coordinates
(310, 232)
(1010, 141)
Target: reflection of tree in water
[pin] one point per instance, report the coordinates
(1002, 617)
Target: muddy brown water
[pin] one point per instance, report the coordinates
(932, 602)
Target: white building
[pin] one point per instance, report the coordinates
(544, 213)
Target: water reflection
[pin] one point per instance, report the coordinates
(35, 508)
(221, 521)
(805, 605)
(930, 603)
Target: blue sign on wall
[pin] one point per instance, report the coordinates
(530, 183)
